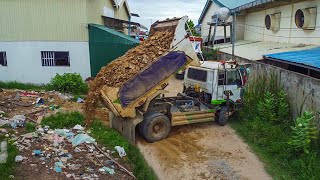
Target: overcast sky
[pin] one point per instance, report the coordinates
(153, 10)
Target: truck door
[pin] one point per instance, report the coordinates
(229, 80)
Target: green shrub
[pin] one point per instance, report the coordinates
(69, 83)
(267, 107)
(282, 108)
(304, 132)
(210, 54)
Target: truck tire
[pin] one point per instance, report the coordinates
(155, 126)
(223, 115)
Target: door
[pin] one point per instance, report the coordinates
(229, 80)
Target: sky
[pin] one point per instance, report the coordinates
(153, 10)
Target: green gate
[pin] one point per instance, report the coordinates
(106, 45)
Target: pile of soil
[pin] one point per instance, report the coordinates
(122, 69)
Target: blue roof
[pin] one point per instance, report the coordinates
(231, 4)
(309, 57)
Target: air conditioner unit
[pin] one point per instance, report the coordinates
(272, 21)
(306, 18)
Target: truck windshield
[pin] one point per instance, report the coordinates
(197, 74)
(233, 78)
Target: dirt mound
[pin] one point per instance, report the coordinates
(126, 66)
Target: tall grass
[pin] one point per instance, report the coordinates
(22, 86)
(269, 139)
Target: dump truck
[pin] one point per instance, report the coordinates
(139, 103)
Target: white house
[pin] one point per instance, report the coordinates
(39, 38)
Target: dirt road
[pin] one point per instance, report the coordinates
(202, 151)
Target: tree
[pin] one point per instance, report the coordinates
(191, 26)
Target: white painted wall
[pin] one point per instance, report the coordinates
(207, 18)
(24, 61)
(288, 33)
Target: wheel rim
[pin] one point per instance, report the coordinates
(158, 129)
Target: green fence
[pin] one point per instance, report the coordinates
(106, 45)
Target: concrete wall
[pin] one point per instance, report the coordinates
(207, 18)
(289, 33)
(24, 61)
(303, 91)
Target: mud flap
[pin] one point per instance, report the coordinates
(126, 126)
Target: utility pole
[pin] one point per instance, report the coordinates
(233, 34)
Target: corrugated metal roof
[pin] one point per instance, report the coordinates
(231, 4)
(309, 57)
(115, 32)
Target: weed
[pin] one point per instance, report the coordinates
(8, 168)
(267, 107)
(268, 138)
(30, 127)
(69, 83)
(63, 120)
(304, 132)
(22, 86)
(210, 54)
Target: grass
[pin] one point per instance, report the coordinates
(63, 120)
(22, 86)
(8, 168)
(269, 140)
(30, 127)
(107, 137)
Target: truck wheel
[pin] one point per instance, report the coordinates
(155, 126)
(223, 116)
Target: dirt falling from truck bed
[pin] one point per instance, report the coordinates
(126, 66)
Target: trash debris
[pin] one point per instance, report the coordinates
(64, 132)
(106, 169)
(40, 101)
(3, 122)
(17, 97)
(57, 169)
(80, 100)
(18, 121)
(65, 96)
(120, 151)
(37, 152)
(53, 107)
(3, 152)
(78, 127)
(82, 138)
(18, 158)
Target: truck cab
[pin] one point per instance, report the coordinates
(211, 80)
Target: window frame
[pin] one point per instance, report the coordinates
(197, 79)
(49, 59)
(4, 56)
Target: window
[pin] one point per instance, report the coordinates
(299, 18)
(197, 74)
(3, 59)
(267, 21)
(233, 78)
(55, 58)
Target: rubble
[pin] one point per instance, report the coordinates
(67, 153)
(120, 70)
